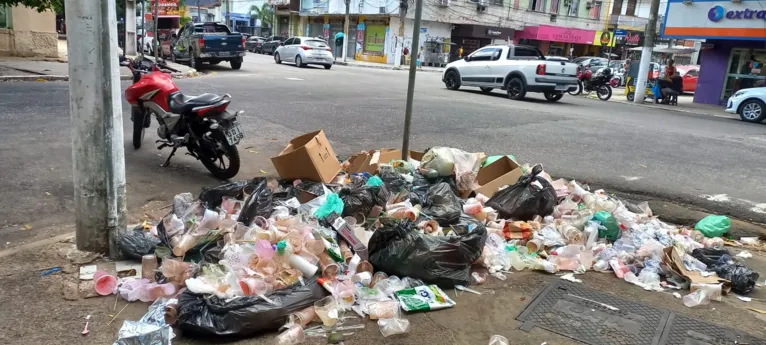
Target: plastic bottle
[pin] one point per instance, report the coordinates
(618, 267)
(280, 257)
(698, 297)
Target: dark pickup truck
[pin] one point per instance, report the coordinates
(208, 42)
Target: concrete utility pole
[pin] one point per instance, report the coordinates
(345, 30)
(411, 83)
(646, 53)
(130, 27)
(95, 107)
(156, 21)
(143, 26)
(399, 47)
(228, 13)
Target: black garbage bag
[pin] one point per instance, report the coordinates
(394, 181)
(360, 198)
(445, 261)
(464, 225)
(742, 278)
(212, 197)
(442, 204)
(135, 244)
(259, 203)
(712, 256)
(206, 315)
(530, 196)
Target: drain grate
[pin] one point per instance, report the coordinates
(683, 330)
(588, 316)
(597, 318)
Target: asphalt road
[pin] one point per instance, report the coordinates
(667, 154)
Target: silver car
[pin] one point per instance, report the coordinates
(305, 51)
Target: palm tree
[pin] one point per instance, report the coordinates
(264, 13)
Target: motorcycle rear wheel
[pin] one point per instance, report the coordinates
(217, 165)
(604, 92)
(578, 90)
(138, 128)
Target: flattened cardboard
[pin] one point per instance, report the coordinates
(416, 155)
(308, 157)
(501, 172)
(675, 263)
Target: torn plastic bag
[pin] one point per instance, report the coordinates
(445, 261)
(531, 195)
(442, 204)
(259, 203)
(243, 316)
(712, 256)
(137, 243)
(213, 196)
(360, 198)
(139, 333)
(195, 254)
(742, 278)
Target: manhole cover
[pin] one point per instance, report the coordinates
(683, 330)
(593, 317)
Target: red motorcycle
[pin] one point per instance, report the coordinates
(200, 123)
(599, 82)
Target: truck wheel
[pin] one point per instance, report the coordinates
(515, 89)
(236, 64)
(193, 62)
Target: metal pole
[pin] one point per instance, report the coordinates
(411, 83)
(646, 53)
(130, 27)
(143, 27)
(400, 47)
(95, 108)
(199, 16)
(228, 13)
(156, 22)
(345, 30)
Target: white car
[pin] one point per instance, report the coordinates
(750, 104)
(515, 69)
(305, 51)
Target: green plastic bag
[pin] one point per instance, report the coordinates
(333, 203)
(374, 181)
(610, 228)
(713, 226)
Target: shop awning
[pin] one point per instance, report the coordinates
(667, 50)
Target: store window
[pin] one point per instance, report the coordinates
(5, 17)
(572, 7)
(537, 5)
(746, 70)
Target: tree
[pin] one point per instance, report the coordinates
(264, 13)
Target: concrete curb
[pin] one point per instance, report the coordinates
(386, 67)
(46, 78)
(678, 110)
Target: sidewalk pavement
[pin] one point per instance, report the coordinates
(14, 68)
(685, 105)
(364, 64)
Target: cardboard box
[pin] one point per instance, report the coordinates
(675, 263)
(368, 161)
(501, 172)
(308, 157)
(416, 155)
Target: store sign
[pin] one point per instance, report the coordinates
(631, 38)
(603, 38)
(620, 33)
(491, 32)
(717, 12)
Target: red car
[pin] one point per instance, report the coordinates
(689, 73)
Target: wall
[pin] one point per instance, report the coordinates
(713, 69)
(33, 34)
(355, 7)
(434, 30)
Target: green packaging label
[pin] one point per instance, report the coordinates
(423, 298)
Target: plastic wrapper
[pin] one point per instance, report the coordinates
(244, 316)
(712, 256)
(713, 226)
(213, 196)
(332, 204)
(442, 204)
(742, 278)
(393, 326)
(181, 202)
(423, 298)
(439, 159)
(259, 203)
(360, 198)
(530, 196)
(444, 261)
(137, 243)
(139, 333)
(609, 228)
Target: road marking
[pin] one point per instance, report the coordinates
(631, 178)
(759, 208)
(292, 78)
(726, 116)
(717, 197)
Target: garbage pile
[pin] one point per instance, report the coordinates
(378, 237)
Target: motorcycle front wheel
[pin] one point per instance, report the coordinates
(225, 164)
(604, 92)
(578, 90)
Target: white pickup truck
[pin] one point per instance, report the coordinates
(515, 69)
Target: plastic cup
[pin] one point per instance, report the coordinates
(105, 284)
(292, 336)
(267, 267)
(308, 256)
(346, 298)
(303, 317)
(261, 222)
(378, 276)
(363, 278)
(351, 221)
(498, 340)
(263, 249)
(384, 310)
(345, 251)
(534, 245)
(316, 247)
(364, 266)
(148, 266)
(327, 310)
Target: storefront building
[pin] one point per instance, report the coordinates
(473, 37)
(734, 51)
(568, 42)
(624, 40)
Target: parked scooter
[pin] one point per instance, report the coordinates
(599, 82)
(200, 123)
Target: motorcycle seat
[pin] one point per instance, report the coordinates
(180, 103)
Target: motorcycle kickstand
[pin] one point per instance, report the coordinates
(167, 162)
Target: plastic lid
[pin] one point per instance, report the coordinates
(281, 245)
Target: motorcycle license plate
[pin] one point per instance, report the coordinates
(562, 87)
(234, 134)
